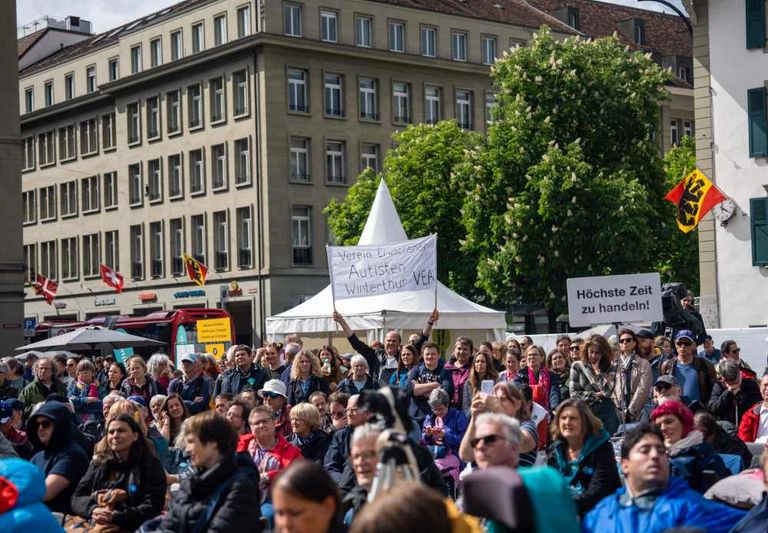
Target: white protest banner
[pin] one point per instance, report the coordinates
(610, 299)
(358, 271)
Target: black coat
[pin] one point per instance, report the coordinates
(238, 509)
(313, 447)
(296, 394)
(726, 405)
(145, 474)
(338, 452)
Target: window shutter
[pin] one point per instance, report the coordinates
(755, 23)
(758, 210)
(758, 137)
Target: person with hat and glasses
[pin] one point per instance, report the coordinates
(245, 374)
(696, 375)
(276, 401)
(193, 387)
(667, 388)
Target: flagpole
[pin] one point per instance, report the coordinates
(436, 280)
(330, 277)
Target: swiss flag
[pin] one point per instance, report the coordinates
(45, 287)
(112, 278)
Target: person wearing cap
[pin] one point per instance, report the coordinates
(17, 438)
(733, 394)
(244, 374)
(696, 375)
(276, 400)
(691, 458)
(193, 387)
(754, 423)
(42, 386)
(6, 389)
(667, 388)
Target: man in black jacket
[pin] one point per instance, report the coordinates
(733, 394)
(383, 361)
(338, 451)
(245, 374)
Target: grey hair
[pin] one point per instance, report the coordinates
(438, 398)
(358, 359)
(85, 364)
(153, 364)
(510, 426)
(365, 431)
(292, 349)
(729, 369)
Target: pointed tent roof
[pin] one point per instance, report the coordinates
(401, 310)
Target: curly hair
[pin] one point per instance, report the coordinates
(315, 370)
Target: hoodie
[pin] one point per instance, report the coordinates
(62, 455)
(22, 488)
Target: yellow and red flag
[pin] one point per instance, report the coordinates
(694, 196)
(196, 271)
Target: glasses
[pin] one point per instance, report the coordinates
(575, 348)
(626, 340)
(271, 395)
(661, 387)
(683, 343)
(735, 350)
(44, 424)
(488, 439)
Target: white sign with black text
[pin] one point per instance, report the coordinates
(611, 299)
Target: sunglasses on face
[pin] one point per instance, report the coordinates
(574, 348)
(44, 424)
(735, 350)
(272, 395)
(683, 343)
(488, 439)
(626, 340)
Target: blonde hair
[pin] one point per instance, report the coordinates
(309, 413)
(314, 361)
(138, 359)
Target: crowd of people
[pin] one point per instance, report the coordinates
(628, 433)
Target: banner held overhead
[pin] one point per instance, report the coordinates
(612, 299)
(358, 271)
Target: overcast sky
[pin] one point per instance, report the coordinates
(108, 14)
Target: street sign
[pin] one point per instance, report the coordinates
(29, 327)
(612, 299)
(214, 330)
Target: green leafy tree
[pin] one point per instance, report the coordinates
(569, 181)
(677, 257)
(428, 195)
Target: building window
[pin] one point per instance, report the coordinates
(688, 128)
(674, 132)
(216, 89)
(198, 37)
(69, 87)
(48, 260)
(221, 240)
(329, 26)
(134, 123)
(153, 118)
(156, 250)
(67, 146)
(135, 185)
(428, 41)
(114, 69)
(334, 98)
(574, 20)
(175, 177)
(299, 156)
(68, 198)
(110, 190)
(292, 15)
(89, 194)
(91, 255)
(369, 108)
(29, 99)
(46, 148)
(297, 90)
(29, 153)
(195, 103)
(490, 99)
(137, 252)
(464, 109)
(459, 45)
(219, 166)
(176, 230)
(242, 162)
(196, 172)
(301, 235)
(47, 203)
(369, 157)
(48, 93)
(334, 162)
(244, 237)
(173, 111)
(155, 180)
(108, 132)
(396, 36)
(156, 52)
(363, 31)
(432, 104)
(401, 102)
(639, 32)
(136, 63)
(197, 223)
(30, 260)
(30, 206)
(177, 45)
(219, 30)
(488, 46)
(69, 258)
(243, 21)
(112, 250)
(89, 137)
(240, 87)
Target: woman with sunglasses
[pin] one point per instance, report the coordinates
(633, 378)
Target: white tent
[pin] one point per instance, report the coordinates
(400, 310)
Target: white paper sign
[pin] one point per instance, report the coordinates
(359, 271)
(608, 299)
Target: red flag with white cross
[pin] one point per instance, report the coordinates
(112, 278)
(46, 288)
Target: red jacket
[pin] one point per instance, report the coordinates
(749, 423)
(284, 452)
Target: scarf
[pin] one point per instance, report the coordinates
(543, 382)
(694, 438)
